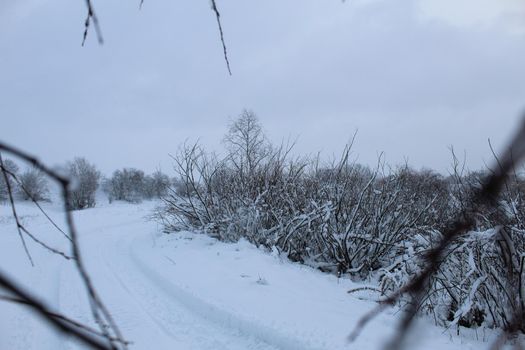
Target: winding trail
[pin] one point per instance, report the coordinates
(150, 310)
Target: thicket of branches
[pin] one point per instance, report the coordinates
(368, 223)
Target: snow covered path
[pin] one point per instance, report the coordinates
(187, 291)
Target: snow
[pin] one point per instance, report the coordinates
(190, 291)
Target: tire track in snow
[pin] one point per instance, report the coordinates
(173, 318)
(141, 305)
(214, 314)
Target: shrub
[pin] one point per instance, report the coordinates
(85, 180)
(346, 218)
(156, 185)
(11, 168)
(33, 185)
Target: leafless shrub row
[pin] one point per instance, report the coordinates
(370, 224)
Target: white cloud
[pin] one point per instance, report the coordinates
(19, 10)
(505, 14)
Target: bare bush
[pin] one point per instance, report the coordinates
(156, 185)
(126, 184)
(346, 218)
(132, 185)
(33, 185)
(85, 177)
(11, 167)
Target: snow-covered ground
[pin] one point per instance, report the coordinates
(189, 291)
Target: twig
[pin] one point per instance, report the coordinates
(218, 16)
(30, 196)
(91, 15)
(42, 310)
(63, 318)
(358, 289)
(13, 209)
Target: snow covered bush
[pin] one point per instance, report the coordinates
(480, 280)
(345, 218)
(481, 277)
(342, 216)
(85, 179)
(33, 185)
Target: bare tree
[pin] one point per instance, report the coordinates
(246, 142)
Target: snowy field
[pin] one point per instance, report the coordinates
(189, 291)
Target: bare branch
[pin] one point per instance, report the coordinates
(100, 313)
(13, 209)
(457, 227)
(218, 16)
(72, 322)
(91, 16)
(32, 198)
(43, 311)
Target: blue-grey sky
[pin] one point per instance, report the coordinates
(413, 77)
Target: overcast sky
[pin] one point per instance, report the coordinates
(413, 77)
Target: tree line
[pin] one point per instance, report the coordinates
(128, 184)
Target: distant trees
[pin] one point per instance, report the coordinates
(132, 185)
(32, 183)
(86, 178)
(128, 184)
(156, 185)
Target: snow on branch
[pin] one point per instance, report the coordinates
(463, 222)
